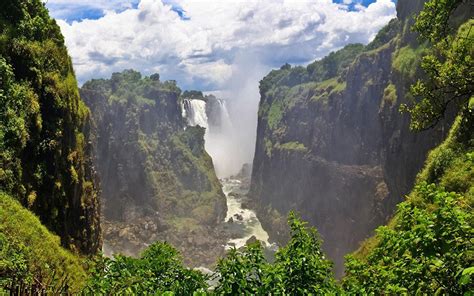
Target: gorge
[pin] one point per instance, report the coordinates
(352, 174)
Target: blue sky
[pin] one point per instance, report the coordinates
(201, 43)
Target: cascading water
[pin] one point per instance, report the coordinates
(195, 112)
(214, 116)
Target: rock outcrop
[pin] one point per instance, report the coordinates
(332, 144)
(153, 167)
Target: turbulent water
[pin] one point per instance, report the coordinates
(245, 223)
(195, 112)
(242, 222)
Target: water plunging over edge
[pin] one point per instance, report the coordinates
(243, 222)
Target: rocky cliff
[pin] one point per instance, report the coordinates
(45, 151)
(158, 182)
(331, 142)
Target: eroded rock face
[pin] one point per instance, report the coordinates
(332, 144)
(158, 182)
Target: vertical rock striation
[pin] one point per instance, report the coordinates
(331, 142)
(158, 182)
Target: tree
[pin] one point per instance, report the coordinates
(243, 272)
(448, 67)
(158, 270)
(301, 267)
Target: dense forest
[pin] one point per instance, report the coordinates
(117, 154)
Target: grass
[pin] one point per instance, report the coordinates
(389, 95)
(33, 251)
(327, 88)
(407, 60)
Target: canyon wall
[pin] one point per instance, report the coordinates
(157, 180)
(332, 144)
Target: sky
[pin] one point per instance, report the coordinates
(200, 43)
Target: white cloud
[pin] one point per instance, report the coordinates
(200, 51)
(225, 45)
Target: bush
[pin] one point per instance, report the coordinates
(426, 251)
(300, 267)
(158, 270)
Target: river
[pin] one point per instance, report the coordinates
(242, 222)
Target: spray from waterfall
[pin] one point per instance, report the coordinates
(213, 115)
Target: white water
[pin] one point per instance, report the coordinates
(219, 140)
(222, 143)
(225, 117)
(195, 112)
(249, 225)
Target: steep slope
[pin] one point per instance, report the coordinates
(331, 142)
(45, 156)
(158, 182)
(31, 258)
(427, 246)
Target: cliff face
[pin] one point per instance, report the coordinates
(158, 182)
(332, 144)
(45, 153)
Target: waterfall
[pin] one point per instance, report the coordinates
(220, 138)
(195, 112)
(226, 123)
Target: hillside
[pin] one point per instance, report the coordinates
(331, 142)
(31, 257)
(45, 154)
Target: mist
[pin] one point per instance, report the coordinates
(234, 144)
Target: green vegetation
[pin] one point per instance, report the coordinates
(329, 67)
(157, 271)
(144, 142)
(282, 90)
(31, 258)
(327, 88)
(335, 63)
(299, 268)
(292, 146)
(244, 272)
(268, 147)
(44, 131)
(389, 95)
(45, 168)
(427, 247)
(448, 66)
(407, 61)
(385, 35)
(275, 114)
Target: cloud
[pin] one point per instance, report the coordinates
(224, 46)
(196, 42)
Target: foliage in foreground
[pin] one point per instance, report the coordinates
(299, 269)
(158, 270)
(427, 250)
(31, 258)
